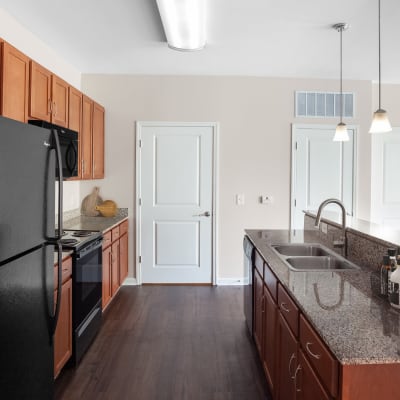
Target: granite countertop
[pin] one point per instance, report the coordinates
(357, 326)
(100, 224)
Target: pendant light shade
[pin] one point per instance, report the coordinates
(341, 133)
(380, 122)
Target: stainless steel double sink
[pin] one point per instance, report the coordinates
(312, 257)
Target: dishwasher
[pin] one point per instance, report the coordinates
(248, 250)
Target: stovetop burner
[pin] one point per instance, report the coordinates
(69, 241)
(82, 233)
(75, 239)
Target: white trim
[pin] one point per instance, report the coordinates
(129, 282)
(296, 127)
(215, 155)
(233, 281)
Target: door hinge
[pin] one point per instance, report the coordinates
(295, 202)
(296, 146)
(140, 201)
(140, 259)
(140, 143)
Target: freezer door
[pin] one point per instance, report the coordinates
(27, 184)
(26, 302)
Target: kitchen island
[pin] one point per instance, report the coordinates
(358, 330)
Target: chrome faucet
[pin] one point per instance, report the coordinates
(342, 242)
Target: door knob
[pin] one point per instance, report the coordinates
(204, 214)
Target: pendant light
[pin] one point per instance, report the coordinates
(341, 133)
(380, 122)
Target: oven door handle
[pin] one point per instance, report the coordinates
(89, 248)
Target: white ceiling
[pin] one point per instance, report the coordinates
(245, 37)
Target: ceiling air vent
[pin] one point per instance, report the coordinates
(323, 104)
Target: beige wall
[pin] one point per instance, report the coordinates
(255, 117)
(18, 36)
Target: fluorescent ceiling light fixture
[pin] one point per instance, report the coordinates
(184, 23)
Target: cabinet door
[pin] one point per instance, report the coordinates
(106, 277)
(123, 258)
(258, 309)
(15, 83)
(308, 384)
(59, 95)
(75, 120)
(39, 92)
(269, 338)
(287, 363)
(63, 334)
(98, 141)
(86, 138)
(115, 267)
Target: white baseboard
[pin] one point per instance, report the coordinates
(233, 281)
(130, 282)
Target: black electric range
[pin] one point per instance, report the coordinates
(87, 272)
(73, 239)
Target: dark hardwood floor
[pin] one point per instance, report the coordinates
(169, 343)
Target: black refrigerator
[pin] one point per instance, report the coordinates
(28, 310)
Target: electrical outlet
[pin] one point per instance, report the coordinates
(266, 199)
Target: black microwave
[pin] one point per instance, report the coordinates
(68, 145)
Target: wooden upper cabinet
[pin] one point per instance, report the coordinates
(59, 99)
(86, 138)
(75, 102)
(15, 83)
(98, 141)
(40, 92)
(48, 98)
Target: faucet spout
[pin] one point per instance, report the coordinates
(342, 242)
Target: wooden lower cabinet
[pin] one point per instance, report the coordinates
(284, 348)
(269, 337)
(63, 333)
(115, 260)
(308, 386)
(123, 258)
(287, 362)
(114, 267)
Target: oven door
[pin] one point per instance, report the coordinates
(87, 281)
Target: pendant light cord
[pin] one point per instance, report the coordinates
(379, 49)
(341, 76)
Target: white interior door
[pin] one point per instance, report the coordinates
(176, 203)
(321, 169)
(385, 188)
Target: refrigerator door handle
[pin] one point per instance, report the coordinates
(60, 230)
(54, 317)
(60, 183)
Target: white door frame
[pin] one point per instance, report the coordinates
(295, 127)
(214, 246)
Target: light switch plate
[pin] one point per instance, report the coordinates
(240, 199)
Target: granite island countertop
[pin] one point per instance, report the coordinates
(357, 326)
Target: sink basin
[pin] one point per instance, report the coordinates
(312, 257)
(315, 250)
(322, 263)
